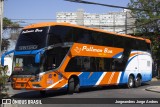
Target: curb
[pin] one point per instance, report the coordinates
(153, 89)
(155, 79)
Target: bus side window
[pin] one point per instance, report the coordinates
(54, 39)
(86, 63)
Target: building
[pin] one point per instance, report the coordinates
(120, 22)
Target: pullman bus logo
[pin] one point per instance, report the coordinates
(77, 49)
(94, 49)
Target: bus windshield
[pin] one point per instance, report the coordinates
(25, 65)
(32, 39)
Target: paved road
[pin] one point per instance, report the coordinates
(105, 92)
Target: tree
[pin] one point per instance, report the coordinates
(8, 26)
(5, 44)
(3, 80)
(149, 19)
(147, 14)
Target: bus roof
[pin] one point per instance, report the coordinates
(43, 24)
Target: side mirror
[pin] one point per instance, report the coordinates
(38, 57)
(3, 56)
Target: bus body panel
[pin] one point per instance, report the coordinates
(53, 80)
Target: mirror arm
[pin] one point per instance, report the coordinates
(4, 55)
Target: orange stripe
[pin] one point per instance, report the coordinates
(64, 81)
(132, 54)
(106, 78)
(115, 78)
(60, 84)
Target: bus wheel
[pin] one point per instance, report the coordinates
(130, 82)
(71, 86)
(43, 93)
(77, 86)
(138, 81)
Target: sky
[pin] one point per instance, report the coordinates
(47, 9)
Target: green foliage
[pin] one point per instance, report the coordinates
(7, 23)
(10, 27)
(3, 78)
(147, 21)
(5, 44)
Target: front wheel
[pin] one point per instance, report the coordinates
(130, 83)
(71, 86)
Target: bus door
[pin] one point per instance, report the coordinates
(51, 61)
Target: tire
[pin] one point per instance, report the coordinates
(76, 90)
(138, 82)
(130, 83)
(43, 93)
(71, 87)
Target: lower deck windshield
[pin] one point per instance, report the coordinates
(50, 60)
(25, 65)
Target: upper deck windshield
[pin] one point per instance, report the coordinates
(32, 39)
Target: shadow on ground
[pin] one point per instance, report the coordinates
(50, 93)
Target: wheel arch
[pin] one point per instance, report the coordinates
(131, 75)
(75, 77)
(139, 75)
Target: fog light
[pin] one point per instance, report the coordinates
(36, 85)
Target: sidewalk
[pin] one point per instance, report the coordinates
(155, 79)
(154, 88)
(10, 93)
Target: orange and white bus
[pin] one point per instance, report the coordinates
(52, 56)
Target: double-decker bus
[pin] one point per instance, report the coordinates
(52, 56)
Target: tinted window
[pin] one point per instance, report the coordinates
(60, 34)
(142, 45)
(25, 65)
(82, 36)
(119, 41)
(103, 39)
(31, 39)
(95, 64)
(54, 57)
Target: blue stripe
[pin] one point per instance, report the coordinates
(119, 54)
(92, 80)
(123, 79)
(32, 52)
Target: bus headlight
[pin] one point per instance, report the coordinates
(36, 85)
(38, 78)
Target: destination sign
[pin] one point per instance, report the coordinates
(29, 47)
